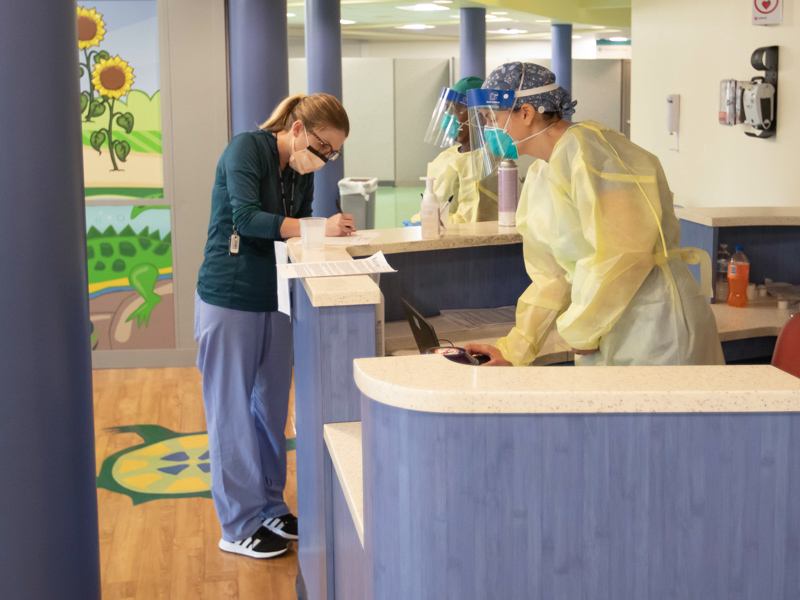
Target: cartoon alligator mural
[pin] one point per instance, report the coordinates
(128, 261)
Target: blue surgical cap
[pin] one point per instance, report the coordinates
(507, 77)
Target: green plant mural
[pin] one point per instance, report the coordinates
(91, 31)
(121, 125)
(112, 78)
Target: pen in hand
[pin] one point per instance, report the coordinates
(339, 210)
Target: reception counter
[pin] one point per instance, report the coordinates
(609, 483)
(501, 451)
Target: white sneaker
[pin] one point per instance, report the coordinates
(262, 544)
(285, 526)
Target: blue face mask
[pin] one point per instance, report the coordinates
(450, 126)
(500, 143)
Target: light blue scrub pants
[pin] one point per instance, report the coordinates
(246, 362)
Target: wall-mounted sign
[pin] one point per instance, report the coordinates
(767, 12)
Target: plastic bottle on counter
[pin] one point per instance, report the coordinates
(507, 193)
(723, 258)
(738, 278)
(429, 211)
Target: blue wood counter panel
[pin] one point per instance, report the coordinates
(326, 341)
(348, 552)
(566, 507)
(477, 277)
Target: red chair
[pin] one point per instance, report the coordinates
(787, 349)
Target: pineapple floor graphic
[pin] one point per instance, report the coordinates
(167, 465)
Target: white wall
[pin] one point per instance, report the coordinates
(418, 83)
(497, 52)
(368, 98)
(686, 47)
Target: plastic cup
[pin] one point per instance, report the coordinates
(312, 232)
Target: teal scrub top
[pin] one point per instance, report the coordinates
(247, 192)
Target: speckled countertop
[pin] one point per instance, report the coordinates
(344, 445)
(739, 216)
(463, 235)
(360, 289)
(439, 385)
(761, 317)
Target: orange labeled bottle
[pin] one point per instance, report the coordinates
(738, 278)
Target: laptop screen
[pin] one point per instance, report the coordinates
(423, 331)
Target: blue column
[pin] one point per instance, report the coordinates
(259, 60)
(324, 74)
(472, 42)
(48, 498)
(562, 55)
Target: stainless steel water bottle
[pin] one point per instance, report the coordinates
(507, 193)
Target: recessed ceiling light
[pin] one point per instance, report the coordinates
(415, 26)
(442, 1)
(576, 37)
(291, 15)
(346, 22)
(617, 39)
(499, 13)
(542, 20)
(428, 7)
(598, 27)
(493, 19)
(509, 31)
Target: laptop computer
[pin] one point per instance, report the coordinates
(425, 335)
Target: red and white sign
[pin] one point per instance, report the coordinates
(767, 12)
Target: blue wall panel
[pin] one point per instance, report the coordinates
(563, 507)
(326, 341)
(479, 277)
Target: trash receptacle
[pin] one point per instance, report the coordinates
(358, 199)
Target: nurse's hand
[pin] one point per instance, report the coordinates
(339, 225)
(496, 356)
(584, 352)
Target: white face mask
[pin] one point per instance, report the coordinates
(306, 160)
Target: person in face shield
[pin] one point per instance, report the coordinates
(264, 185)
(473, 199)
(600, 236)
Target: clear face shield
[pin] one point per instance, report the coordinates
(489, 112)
(489, 117)
(449, 121)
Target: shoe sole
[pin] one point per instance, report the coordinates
(237, 549)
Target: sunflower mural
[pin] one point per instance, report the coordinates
(120, 99)
(91, 31)
(112, 78)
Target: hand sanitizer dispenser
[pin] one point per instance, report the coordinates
(429, 211)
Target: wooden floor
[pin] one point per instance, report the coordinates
(167, 549)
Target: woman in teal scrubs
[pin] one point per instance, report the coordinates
(264, 185)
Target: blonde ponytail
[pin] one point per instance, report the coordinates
(316, 111)
(280, 119)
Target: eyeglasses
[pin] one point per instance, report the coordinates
(332, 156)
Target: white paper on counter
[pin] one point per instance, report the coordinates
(281, 259)
(338, 268)
(359, 238)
